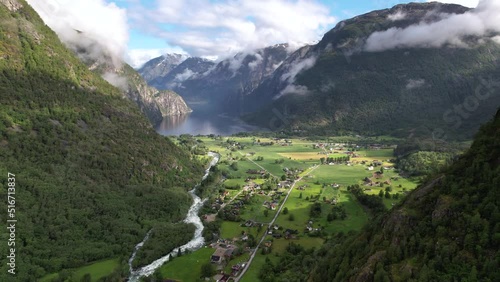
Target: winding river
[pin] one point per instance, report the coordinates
(196, 243)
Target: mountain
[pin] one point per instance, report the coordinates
(160, 66)
(153, 103)
(446, 230)
(340, 85)
(221, 87)
(91, 174)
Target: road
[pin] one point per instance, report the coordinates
(257, 164)
(247, 266)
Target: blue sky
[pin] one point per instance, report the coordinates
(340, 9)
(139, 30)
(215, 28)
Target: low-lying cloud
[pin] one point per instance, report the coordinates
(415, 83)
(399, 15)
(450, 30)
(298, 67)
(97, 20)
(116, 80)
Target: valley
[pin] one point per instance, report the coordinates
(270, 192)
(256, 149)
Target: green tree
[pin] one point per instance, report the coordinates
(285, 210)
(207, 270)
(86, 278)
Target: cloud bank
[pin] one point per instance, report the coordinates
(452, 29)
(218, 28)
(98, 21)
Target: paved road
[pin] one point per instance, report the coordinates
(247, 266)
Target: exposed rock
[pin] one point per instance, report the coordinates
(12, 5)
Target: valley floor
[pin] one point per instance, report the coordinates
(256, 219)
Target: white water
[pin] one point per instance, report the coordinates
(196, 243)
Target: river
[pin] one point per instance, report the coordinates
(192, 217)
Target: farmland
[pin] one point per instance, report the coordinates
(255, 176)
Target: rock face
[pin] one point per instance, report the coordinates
(12, 5)
(221, 86)
(160, 66)
(155, 104)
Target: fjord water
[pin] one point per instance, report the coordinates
(204, 124)
(192, 217)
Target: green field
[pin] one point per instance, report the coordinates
(325, 184)
(96, 270)
(187, 268)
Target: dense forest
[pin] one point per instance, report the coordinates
(92, 176)
(448, 229)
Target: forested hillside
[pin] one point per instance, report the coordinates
(338, 86)
(92, 176)
(446, 230)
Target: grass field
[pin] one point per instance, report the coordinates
(230, 230)
(187, 268)
(302, 154)
(96, 270)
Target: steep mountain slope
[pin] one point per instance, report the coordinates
(92, 175)
(339, 86)
(189, 68)
(445, 230)
(160, 66)
(153, 103)
(222, 87)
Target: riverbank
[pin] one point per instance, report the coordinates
(192, 218)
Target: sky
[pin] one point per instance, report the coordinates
(139, 30)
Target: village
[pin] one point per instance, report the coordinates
(277, 191)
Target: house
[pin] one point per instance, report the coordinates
(268, 244)
(370, 168)
(218, 256)
(367, 181)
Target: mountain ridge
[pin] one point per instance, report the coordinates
(342, 88)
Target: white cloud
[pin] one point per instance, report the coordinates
(292, 89)
(302, 65)
(253, 64)
(208, 28)
(181, 77)
(466, 3)
(415, 83)
(116, 80)
(450, 30)
(99, 21)
(399, 15)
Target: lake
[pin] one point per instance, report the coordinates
(203, 124)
